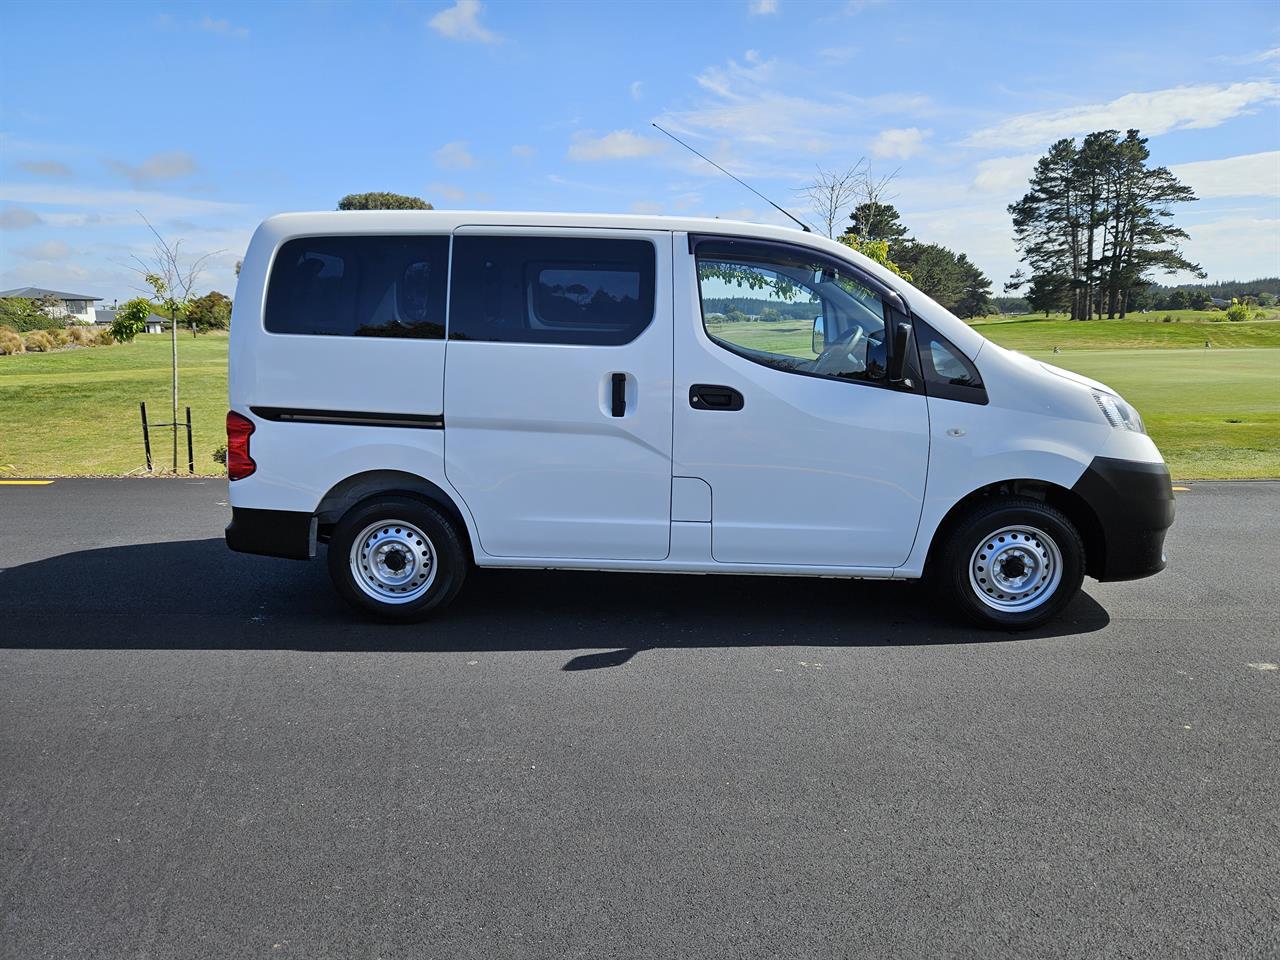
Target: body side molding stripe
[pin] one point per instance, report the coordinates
(354, 418)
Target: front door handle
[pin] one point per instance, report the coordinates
(712, 396)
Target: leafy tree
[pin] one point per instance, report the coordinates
(877, 250)
(210, 312)
(131, 320)
(975, 297)
(1097, 222)
(874, 220)
(382, 201)
(52, 308)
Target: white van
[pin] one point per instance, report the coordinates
(425, 390)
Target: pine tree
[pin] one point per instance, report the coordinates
(1096, 223)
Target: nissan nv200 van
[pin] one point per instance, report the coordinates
(421, 391)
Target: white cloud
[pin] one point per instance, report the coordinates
(760, 8)
(900, 144)
(618, 145)
(646, 206)
(448, 191)
(838, 54)
(1154, 113)
(18, 218)
(1005, 174)
(210, 25)
(454, 156)
(161, 166)
(746, 104)
(49, 250)
(1261, 56)
(155, 206)
(1235, 247)
(462, 22)
(637, 89)
(46, 168)
(524, 151)
(1251, 175)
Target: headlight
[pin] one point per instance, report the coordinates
(1119, 413)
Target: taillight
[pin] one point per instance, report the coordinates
(239, 463)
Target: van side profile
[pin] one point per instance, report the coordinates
(423, 391)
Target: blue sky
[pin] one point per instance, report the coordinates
(207, 117)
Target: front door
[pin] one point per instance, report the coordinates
(782, 406)
(557, 400)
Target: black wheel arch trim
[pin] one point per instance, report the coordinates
(1133, 503)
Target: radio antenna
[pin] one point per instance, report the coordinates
(803, 226)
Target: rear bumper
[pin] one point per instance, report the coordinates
(1133, 502)
(272, 533)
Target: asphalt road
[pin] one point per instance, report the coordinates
(206, 755)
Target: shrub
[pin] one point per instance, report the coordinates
(1237, 311)
(60, 337)
(103, 338)
(38, 341)
(220, 455)
(81, 335)
(24, 314)
(10, 342)
(1168, 318)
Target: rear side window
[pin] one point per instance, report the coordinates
(359, 287)
(579, 290)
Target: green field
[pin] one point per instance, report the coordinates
(1215, 413)
(75, 412)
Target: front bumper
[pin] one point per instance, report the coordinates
(272, 533)
(1133, 502)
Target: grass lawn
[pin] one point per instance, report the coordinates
(1029, 334)
(1215, 413)
(76, 411)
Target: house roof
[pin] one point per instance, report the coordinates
(35, 293)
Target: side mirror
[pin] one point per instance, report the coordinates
(819, 342)
(898, 361)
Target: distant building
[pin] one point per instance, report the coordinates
(77, 307)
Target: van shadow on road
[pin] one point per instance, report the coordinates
(197, 595)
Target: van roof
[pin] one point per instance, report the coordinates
(378, 220)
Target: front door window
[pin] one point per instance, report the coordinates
(791, 311)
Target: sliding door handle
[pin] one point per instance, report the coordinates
(712, 396)
(619, 394)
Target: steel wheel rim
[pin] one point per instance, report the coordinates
(393, 561)
(1015, 569)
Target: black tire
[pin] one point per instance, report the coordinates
(398, 515)
(1017, 552)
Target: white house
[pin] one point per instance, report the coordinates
(76, 307)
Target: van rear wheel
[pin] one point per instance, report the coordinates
(1011, 564)
(396, 558)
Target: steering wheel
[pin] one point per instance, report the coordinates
(837, 356)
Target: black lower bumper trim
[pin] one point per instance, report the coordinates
(1133, 502)
(272, 533)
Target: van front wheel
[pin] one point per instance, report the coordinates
(397, 558)
(1012, 564)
